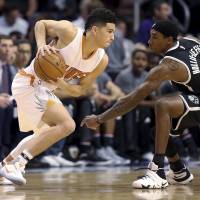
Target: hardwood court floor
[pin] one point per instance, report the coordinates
(93, 184)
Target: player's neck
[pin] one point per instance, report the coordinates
(88, 47)
(168, 47)
(171, 45)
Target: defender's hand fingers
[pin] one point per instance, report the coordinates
(83, 122)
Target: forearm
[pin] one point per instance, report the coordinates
(126, 104)
(40, 33)
(61, 94)
(147, 103)
(73, 90)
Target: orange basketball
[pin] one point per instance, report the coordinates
(50, 66)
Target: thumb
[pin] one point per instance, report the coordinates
(52, 43)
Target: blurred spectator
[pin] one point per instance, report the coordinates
(97, 149)
(125, 9)
(2, 4)
(7, 73)
(12, 21)
(161, 10)
(116, 56)
(88, 154)
(127, 43)
(137, 122)
(64, 9)
(16, 35)
(106, 94)
(24, 51)
(27, 8)
(13, 55)
(86, 6)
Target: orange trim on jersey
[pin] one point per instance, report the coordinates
(50, 102)
(31, 76)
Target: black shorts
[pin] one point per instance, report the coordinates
(191, 115)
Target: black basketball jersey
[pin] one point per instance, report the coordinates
(187, 52)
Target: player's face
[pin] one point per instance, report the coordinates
(105, 35)
(157, 42)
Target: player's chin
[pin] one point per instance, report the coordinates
(154, 50)
(107, 44)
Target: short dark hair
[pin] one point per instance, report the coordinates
(17, 34)
(135, 51)
(167, 27)
(22, 41)
(5, 37)
(9, 8)
(100, 16)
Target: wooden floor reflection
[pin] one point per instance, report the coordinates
(101, 184)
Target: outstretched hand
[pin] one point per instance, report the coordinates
(90, 121)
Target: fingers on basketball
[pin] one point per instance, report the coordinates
(50, 66)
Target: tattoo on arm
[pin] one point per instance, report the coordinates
(171, 64)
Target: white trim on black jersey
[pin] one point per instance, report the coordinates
(174, 47)
(188, 109)
(192, 39)
(184, 114)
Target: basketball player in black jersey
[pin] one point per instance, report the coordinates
(180, 65)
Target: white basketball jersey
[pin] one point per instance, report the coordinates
(72, 54)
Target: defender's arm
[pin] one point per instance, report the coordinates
(167, 70)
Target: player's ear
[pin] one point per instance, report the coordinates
(170, 40)
(94, 30)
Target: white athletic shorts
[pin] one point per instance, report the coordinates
(31, 101)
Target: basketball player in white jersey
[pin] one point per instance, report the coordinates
(38, 108)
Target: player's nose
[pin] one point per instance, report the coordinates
(112, 37)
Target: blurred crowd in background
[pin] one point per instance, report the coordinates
(126, 140)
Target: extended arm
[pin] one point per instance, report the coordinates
(130, 101)
(167, 70)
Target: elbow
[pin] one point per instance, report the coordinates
(39, 23)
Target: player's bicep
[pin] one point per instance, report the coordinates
(59, 29)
